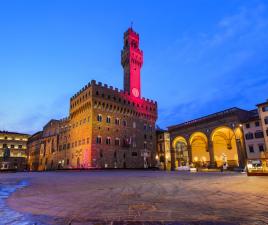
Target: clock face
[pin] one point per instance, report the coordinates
(135, 92)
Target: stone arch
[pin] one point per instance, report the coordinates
(180, 147)
(224, 146)
(199, 147)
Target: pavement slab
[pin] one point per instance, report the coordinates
(139, 197)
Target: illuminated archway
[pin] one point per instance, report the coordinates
(224, 146)
(199, 146)
(181, 152)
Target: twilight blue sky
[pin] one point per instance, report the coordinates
(200, 56)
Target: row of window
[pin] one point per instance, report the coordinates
(127, 142)
(117, 122)
(12, 146)
(257, 124)
(257, 134)
(260, 148)
(13, 138)
(74, 144)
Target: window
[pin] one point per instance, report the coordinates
(134, 154)
(87, 140)
(117, 121)
(266, 120)
(261, 147)
(108, 119)
(134, 124)
(257, 124)
(249, 136)
(117, 141)
(258, 134)
(124, 123)
(4, 145)
(145, 145)
(267, 132)
(12, 146)
(247, 125)
(99, 117)
(98, 140)
(161, 147)
(265, 108)
(108, 140)
(251, 148)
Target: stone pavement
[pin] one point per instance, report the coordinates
(141, 197)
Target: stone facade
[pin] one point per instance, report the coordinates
(163, 149)
(254, 137)
(106, 127)
(263, 114)
(15, 146)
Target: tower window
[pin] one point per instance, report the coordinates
(108, 119)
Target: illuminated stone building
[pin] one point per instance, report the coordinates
(106, 127)
(263, 114)
(14, 147)
(210, 141)
(254, 136)
(33, 146)
(163, 149)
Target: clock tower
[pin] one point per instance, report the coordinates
(132, 60)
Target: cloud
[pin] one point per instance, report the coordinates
(218, 69)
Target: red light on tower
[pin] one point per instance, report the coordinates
(132, 60)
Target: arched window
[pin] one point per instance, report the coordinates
(99, 117)
(108, 140)
(98, 140)
(117, 141)
(117, 121)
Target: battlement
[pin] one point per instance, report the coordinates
(121, 92)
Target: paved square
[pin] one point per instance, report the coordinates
(156, 196)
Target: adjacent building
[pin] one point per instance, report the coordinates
(254, 137)
(106, 127)
(163, 149)
(13, 151)
(263, 114)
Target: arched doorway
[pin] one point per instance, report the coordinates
(181, 152)
(225, 149)
(199, 148)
